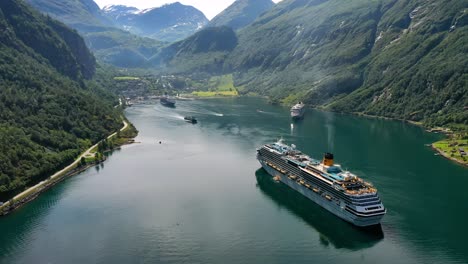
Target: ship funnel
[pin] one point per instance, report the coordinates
(328, 159)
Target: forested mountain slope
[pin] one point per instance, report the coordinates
(401, 59)
(204, 51)
(49, 111)
(110, 44)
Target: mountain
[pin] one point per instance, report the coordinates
(241, 13)
(50, 110)
(83, 15)
(110, 44)
(169, 23)
(204, 51)
(120, 14)
(122, 49)
(398, 59)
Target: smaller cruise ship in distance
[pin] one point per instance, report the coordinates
(298, 111)
(167, 101)
(339, 191)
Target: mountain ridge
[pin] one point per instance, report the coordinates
(170, 22)
(110, 44)
(83, 15)
(241, 13)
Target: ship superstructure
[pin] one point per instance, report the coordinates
(324, 182)
(298, 111)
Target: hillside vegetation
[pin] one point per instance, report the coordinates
(49, 110)
(122, 49)
(110, 44)
(400, 59)
(205, 51)
(393, 58)
(216, 86)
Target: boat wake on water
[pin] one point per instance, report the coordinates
(266, 112)
(204, 112)
(175, 116)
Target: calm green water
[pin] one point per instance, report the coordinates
(200, 196)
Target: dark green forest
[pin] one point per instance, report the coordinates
(50, 108)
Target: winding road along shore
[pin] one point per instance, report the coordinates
(56, 176)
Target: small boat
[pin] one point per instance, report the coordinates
(190, 119)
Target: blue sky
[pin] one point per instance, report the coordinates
(209, 7)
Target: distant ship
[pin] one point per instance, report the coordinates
(167, 101)
(327, 184)
(298, 111)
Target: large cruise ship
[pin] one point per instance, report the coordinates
(324, 182)
(298, 111)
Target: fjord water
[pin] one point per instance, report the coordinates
(201, 197)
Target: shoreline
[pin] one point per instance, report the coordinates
(73, 169)
(436, 130)
(443, 154)
(441, 130)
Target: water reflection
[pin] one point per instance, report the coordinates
(296, 125)
(17, 228)
(332, 230)
(330, 125)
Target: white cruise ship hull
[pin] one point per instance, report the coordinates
(330, 205)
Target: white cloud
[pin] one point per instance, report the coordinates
(209, 7)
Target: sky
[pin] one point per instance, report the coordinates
(209, 7)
